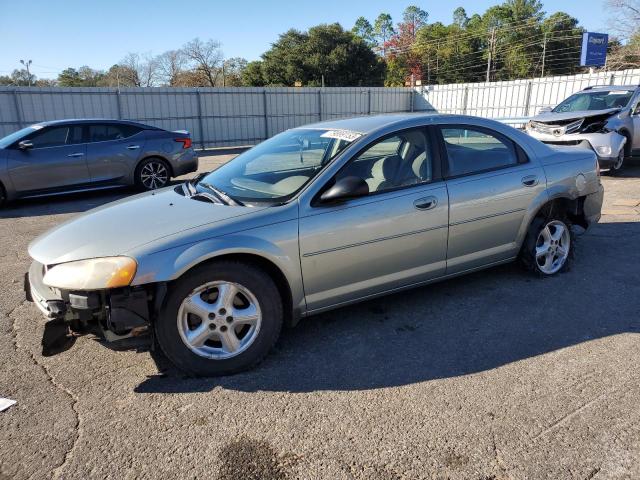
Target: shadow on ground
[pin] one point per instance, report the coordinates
(462, 326)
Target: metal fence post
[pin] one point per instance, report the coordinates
(369, 102)
(527, 102)
(612, 79)
(266, 116)
(18, 109)
(465, 100)
(320, 103)
(119, 104)
(411, 99)
(201, 125)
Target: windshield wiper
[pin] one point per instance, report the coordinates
(222, 195)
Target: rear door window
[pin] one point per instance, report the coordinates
(110, 132)
(471, 150)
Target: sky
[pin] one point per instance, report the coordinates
(56, 34)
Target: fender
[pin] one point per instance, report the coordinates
(280, 249)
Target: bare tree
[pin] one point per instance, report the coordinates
(207, 57)
(140, 70)
(171, 65)
(625, 17)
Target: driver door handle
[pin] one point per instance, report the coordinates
(426, 203)
(530, 181)
(74, 155)
(133, 147)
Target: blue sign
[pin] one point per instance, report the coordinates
(594, 49)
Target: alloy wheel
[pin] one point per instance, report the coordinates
(552, 247)
(154, 175)
(219, 320)
(619, 160)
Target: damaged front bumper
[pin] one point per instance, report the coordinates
(606, 146)
(120, 313)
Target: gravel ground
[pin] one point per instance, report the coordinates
(494, 375)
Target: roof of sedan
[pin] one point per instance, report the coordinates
(92, 120)
(368, 124)
(612, 87)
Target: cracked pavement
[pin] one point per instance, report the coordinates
(495, 375)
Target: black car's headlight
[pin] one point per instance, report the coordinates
(92, 274)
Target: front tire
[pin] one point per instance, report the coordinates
(152, 173)
(617, 167)
(548, 246)
(220, 319)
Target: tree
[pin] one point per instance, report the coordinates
(21, 78)
(233, 68)
(328, 51)
(414, 18)
(207, 57)
(364, 30)
(460, 17)
(383, 30)
(171, 64)
(120, 76)
(141, 70)
(624, 17)
(83, 77)
(252, 75)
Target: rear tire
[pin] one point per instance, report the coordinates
(549, 245)
(220, 319)
(3, 196)
(152, 173)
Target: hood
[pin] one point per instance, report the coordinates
(550, 117)
(118, 227)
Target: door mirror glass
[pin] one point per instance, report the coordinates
(25, 145)
(636, 109)
(344, 189)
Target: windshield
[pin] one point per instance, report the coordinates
(595, 100)
(15, 136)
(277, 168)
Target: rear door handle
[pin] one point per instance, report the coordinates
(78, 154)
(530, 181)
(133, 147)
(426, 203)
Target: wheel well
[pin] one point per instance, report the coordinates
(270, 269)
(573, 209)
(171, 174)
(627, 145)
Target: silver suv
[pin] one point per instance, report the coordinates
(604, 119)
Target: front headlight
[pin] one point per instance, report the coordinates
(92, 274)
(604, 150)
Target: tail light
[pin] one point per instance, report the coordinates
(185, 141)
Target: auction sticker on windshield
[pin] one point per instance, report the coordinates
(346, 135)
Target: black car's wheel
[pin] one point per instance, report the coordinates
(152, 173)
(548, 246)
(220, 319)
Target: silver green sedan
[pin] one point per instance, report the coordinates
(315, 218)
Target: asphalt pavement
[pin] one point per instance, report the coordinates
(496, 375)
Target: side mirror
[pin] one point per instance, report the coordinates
(544, 110)
(25, 145)
(636, 110)
(344, 189)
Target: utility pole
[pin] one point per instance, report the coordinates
(224, 82)
(26, 64)
(544, 52)
(492, 41)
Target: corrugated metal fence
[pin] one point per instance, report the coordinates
(245, 116)
(516, 98)
(214, 116)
